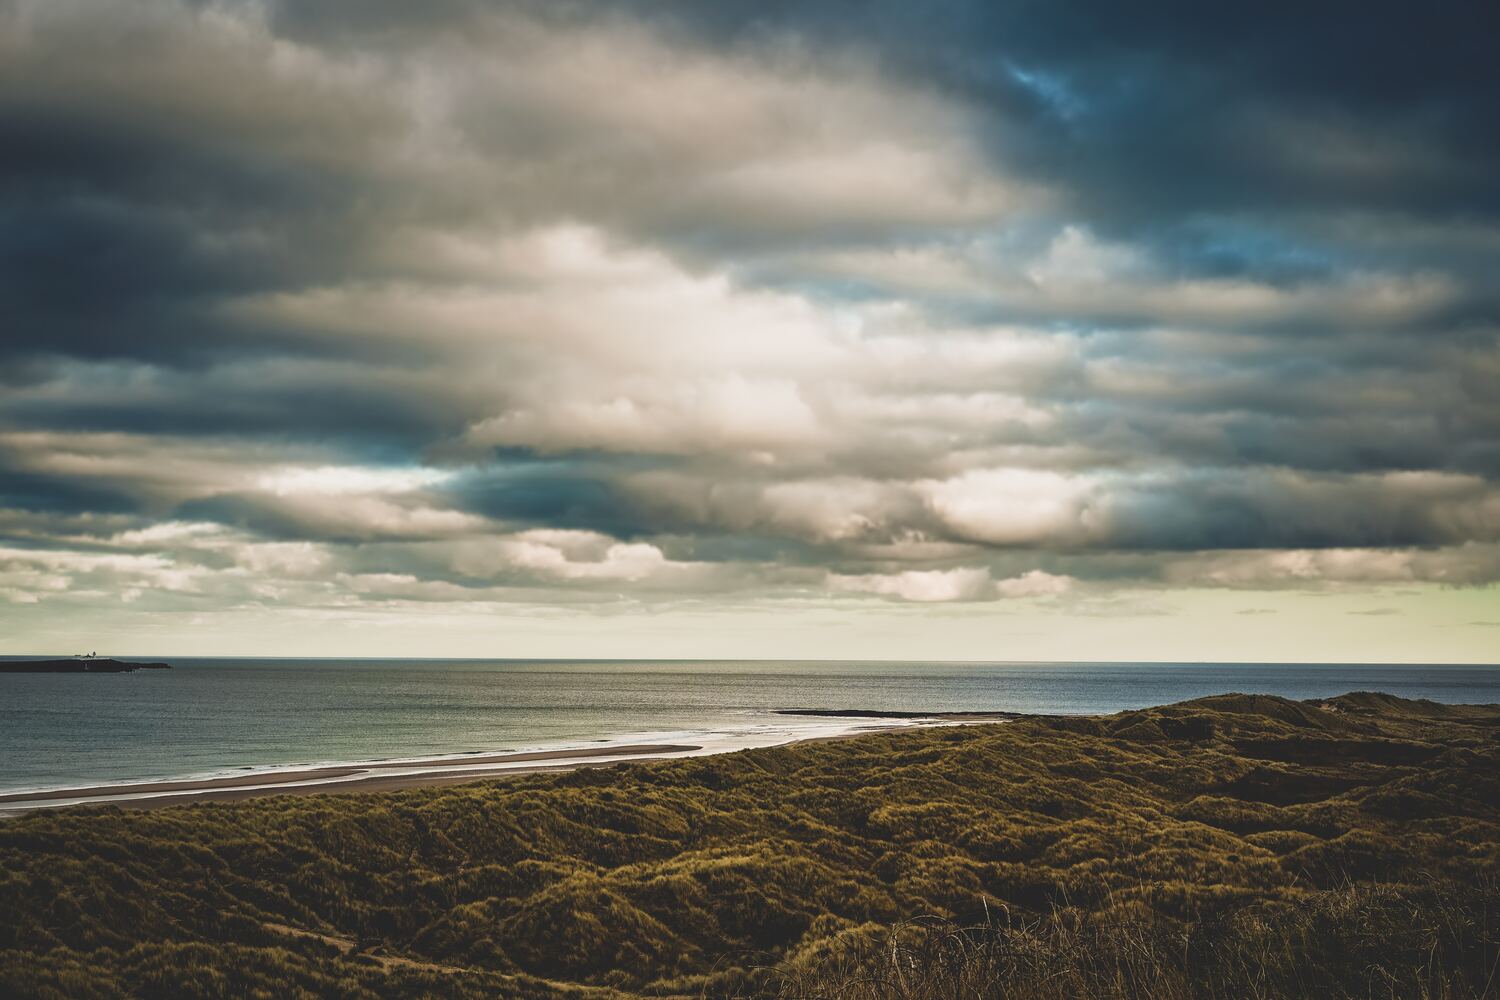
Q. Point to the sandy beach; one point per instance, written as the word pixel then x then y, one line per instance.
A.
pixel 322 777
pixel 393 775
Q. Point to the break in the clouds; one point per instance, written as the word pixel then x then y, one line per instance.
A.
pixel 347 309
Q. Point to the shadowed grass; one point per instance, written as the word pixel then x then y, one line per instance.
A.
pixel 1430 941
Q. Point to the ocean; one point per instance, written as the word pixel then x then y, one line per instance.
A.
pixel 212 717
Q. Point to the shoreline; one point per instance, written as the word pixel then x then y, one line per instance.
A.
pixel 394 775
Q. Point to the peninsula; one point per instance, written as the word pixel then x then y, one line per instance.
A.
pixel 77 665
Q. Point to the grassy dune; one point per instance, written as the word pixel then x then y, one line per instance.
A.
pixel 1234 846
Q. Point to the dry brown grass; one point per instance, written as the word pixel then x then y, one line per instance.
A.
pixel 1437 942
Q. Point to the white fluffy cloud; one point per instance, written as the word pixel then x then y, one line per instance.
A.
pixel 959 584
pixel 1017 506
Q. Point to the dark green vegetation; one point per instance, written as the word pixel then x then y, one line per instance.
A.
pixel 76 665
pixel 1231 847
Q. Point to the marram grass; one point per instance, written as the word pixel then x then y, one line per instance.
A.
pixel 1234 846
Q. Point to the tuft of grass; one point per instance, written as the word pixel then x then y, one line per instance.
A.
pixel 1436 940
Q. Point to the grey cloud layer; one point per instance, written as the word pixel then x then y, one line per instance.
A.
pixel 346 303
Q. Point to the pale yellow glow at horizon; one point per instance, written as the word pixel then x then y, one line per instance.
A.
pixel 1419 624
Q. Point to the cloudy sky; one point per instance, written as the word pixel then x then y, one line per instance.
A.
pixel 962 330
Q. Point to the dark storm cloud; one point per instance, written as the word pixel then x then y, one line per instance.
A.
pixel 927 302
pixel 552 496
pixel 380 413
pixel 1168 108
pixel 27 491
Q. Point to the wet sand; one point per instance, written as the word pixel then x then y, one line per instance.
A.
pixel 147 787
pixel 372 783
pixel 322 779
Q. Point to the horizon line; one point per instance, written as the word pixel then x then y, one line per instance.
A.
pixel 778 659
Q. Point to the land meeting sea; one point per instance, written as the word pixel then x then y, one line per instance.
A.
pixel 231 717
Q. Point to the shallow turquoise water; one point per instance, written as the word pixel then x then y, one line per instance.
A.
pixel 211 716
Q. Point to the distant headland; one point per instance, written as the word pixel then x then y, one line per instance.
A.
pixel 862 713
pixel 77 665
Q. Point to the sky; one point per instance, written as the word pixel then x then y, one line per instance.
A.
pixel 956 330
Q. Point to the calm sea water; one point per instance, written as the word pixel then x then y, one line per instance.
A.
pixel 213 716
